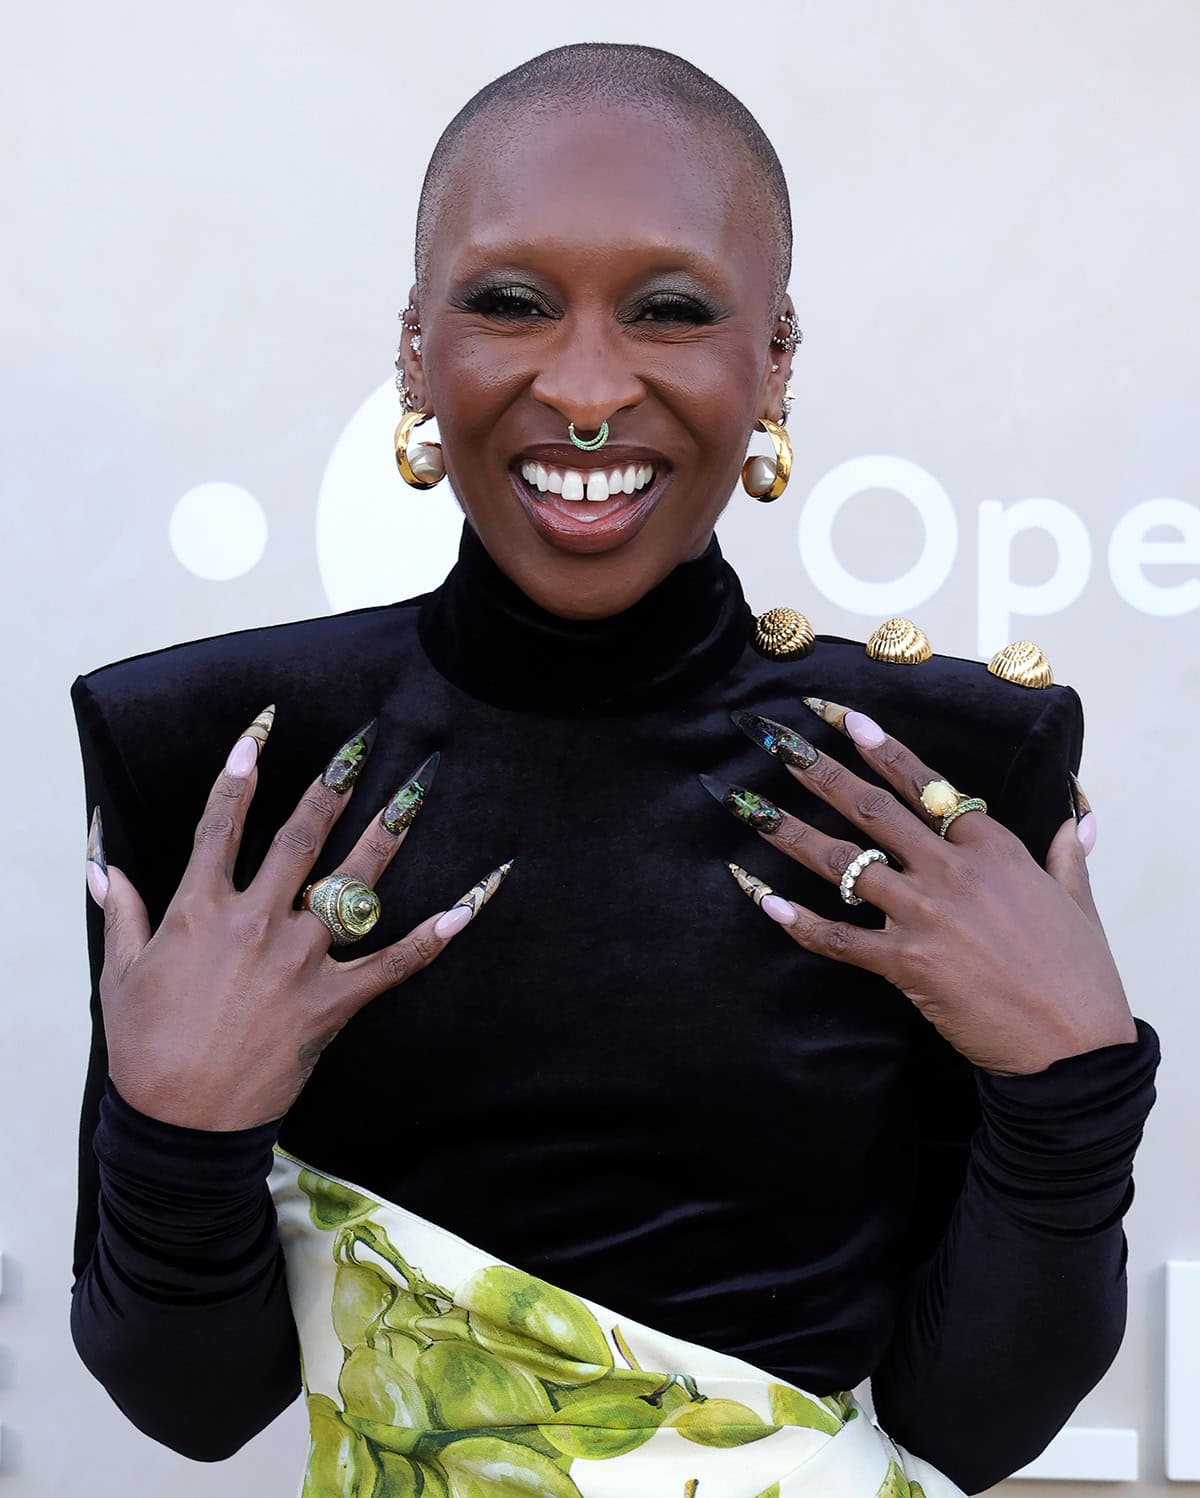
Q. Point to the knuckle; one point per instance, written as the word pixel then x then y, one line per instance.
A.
pixel 250 927
pixel 874 805
pixel 230 788
pixel 215 827
pixel 294 837
pixel 827 773
pixel 968 876
pixel 839 938
pixel 839 857
pixel 426 949
pixel 892 755
pixel 397 966
pixel 379 849
pixel 320 804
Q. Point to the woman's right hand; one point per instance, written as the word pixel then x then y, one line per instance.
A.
pixel 217 1019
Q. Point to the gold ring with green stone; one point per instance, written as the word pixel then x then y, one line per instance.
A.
pixel 345 905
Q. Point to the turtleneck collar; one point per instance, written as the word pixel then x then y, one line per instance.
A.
pixel 484 635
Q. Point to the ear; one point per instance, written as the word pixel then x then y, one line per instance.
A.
pixel 778 365
pixel 408 359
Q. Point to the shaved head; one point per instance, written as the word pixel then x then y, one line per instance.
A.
pixel 587 74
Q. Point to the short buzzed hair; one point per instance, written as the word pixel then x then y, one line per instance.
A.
pixel 615 73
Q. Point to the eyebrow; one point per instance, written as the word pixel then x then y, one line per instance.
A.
pixel 477 259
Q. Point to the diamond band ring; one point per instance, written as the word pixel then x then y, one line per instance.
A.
pixel 854 869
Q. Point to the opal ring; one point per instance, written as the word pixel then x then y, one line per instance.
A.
pixel 345 905
pixel 941 800
pixel 854 869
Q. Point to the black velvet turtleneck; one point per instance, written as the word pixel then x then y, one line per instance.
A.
pixel 622 1077
pixel 490 639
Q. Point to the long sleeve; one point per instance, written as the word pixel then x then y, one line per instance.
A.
pixel 1016 1305
pixel 1021 1309
pixel 180 1304
pixel 181 1310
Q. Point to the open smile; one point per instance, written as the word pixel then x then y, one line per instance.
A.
pixel 593 505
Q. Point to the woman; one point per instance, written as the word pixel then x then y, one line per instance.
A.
pixel 628 1187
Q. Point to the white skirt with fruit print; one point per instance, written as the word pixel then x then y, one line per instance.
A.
pixel 433 1371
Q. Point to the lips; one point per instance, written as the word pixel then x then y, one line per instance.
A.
pixel 593 506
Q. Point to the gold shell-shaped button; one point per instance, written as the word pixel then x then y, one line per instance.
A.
pixel 783 634
pixel 1023 663
pixel 899 641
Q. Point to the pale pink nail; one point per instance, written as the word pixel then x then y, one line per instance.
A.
pixel 1085 831
pixel 97 882
pixel 242 757
pixel 779 909
pixel 452 922
pixel 864 730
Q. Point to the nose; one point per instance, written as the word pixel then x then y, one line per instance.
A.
pixel 587 377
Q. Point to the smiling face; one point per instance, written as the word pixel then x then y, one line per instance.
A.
pixel 584 267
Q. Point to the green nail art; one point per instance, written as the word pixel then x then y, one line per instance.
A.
pixel 748 806
pixel 346 765
pixel 401 811
pixel 95 843
pixel 784 743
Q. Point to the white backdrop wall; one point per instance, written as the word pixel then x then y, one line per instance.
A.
pixel 208 219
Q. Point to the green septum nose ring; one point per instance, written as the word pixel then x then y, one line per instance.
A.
pixel 592 443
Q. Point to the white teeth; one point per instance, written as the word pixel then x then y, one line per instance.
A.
pixel 591 484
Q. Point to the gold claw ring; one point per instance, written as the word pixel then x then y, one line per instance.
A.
pixel 345 905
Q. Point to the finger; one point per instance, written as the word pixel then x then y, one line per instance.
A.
pixel 874 810
pixel 1066 862
pixel 126 926
pixel 295 846
pixel 381 840
pixel 837 940
pixel 828 857
pixel 365 978
pixel 218 833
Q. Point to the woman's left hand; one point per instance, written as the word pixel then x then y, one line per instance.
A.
pixel 1008 960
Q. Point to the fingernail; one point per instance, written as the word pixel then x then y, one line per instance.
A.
pixel 784 743
pixel 346 765
pixel 96 868
pixel 244 754
pixel 748 806
pixel 463 911
pixel 1081 800
pixel 1085 831
pixel 864 730
pixel 779 909
pixel 829 712
pixel 401 811
pixel 750 884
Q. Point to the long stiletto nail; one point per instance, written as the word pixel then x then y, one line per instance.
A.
pixel 346 765
pixel 472 902
pixel 96 867
pixel 401 811
pixel 244 754
pixel 747 806
pixel 1081 803
pixel 784 743
pixel 832 713
pixel 749 884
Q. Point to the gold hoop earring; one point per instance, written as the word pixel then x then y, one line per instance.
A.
pixel 765 479
pixel 424 466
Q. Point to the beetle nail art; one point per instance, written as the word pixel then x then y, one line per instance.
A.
pixel 401 811
pixel 748 806
pixel 346 765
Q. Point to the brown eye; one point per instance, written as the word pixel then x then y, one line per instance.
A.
pixel 675 309
pixel 505 301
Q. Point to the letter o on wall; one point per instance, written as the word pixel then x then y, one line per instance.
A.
pixel 928 498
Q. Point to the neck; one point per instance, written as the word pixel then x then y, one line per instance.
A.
pixel 487 637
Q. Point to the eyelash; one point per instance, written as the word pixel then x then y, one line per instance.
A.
pixel 512 303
